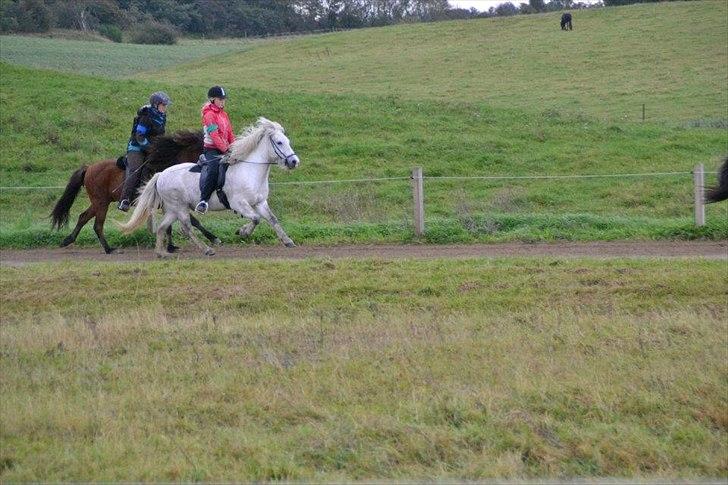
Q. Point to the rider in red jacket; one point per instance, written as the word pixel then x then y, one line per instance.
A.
pixel 218 137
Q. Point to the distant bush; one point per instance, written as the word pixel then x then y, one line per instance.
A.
pixel 153 33
pixel 111 32
pixel 25 16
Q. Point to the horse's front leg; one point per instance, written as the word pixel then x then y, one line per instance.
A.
pixel 245 210
pixel 264 211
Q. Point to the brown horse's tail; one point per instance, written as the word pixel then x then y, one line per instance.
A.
pixel 59 216
pixel 720 191
pixel 148 202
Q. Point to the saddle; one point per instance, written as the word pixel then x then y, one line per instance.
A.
pixel 221 173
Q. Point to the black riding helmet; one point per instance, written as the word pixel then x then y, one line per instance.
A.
pixel 216 92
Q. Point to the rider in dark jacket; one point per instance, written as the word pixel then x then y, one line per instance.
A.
pixel 149 123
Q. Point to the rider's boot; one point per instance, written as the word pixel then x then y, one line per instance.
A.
pixel 201 207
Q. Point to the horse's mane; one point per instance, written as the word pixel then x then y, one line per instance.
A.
pixel 246 142
pixel 166 147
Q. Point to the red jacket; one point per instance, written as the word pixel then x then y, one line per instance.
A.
pixel 217 128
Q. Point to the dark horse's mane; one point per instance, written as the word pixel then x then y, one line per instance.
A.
pixel 166 149
pixel 720 191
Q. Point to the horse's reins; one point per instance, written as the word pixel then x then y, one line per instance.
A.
pixel 135 171
pixel 279 153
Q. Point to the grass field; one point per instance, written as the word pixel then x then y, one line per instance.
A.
pixel 107 59
pixel 486 97
pixel 673 57
pixel 341 370
pixel 345 137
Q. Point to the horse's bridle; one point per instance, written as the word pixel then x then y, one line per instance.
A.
pixel 286 158
pixel 279 153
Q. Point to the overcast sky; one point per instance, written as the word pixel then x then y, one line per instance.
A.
pixel 483 5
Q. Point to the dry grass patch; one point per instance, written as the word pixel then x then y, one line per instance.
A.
pixel 357 385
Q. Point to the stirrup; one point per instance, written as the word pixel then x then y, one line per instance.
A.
pixel 201 207
pixel 124 205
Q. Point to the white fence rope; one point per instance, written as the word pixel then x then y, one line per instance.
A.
pixel 475 177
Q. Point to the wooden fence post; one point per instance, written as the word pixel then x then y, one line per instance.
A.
pixel 418 195
pixel 699 196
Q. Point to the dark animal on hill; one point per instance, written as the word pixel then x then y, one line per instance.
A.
pixel 720 191
pixel 566 21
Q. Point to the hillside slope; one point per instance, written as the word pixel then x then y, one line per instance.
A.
pixel 76 120
pixel 673 57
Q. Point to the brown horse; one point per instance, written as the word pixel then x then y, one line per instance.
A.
pixel 103 182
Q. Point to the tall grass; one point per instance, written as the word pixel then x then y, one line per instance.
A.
pixel 344 370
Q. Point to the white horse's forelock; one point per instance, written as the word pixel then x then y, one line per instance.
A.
pixel 246 142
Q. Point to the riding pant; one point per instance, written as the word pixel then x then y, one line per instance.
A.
pixel 135 173
pixel 208 177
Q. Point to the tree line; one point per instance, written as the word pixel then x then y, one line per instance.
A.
pixel 161 21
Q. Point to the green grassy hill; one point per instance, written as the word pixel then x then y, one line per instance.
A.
pixel 385 128
pixel 671 56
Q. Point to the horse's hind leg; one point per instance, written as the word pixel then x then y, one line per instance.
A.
pixel 187 230
pixel 167 220
pixel 83 218
pixel 170 245
pixel 101 210
pixel 210 236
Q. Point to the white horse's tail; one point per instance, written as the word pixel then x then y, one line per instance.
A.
pixel 148 202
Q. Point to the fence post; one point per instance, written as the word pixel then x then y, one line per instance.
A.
pixel 698 187
pixel 418 195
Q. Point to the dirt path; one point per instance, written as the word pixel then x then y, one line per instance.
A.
pixel 634 249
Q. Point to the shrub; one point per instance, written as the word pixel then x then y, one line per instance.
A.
pixel 153 33
pixel 25 16
pixel 111 32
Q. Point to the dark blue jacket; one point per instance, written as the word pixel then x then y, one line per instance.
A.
pixel 148 124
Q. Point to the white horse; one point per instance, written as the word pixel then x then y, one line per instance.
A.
pixel 177 190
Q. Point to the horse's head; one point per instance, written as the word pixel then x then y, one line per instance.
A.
pixel 267 139
pixel 280 149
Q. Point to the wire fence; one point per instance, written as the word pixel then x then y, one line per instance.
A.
pixel 418 178
pixel 433 177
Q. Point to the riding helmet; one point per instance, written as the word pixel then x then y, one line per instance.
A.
pixel 160 97
pixel 216 92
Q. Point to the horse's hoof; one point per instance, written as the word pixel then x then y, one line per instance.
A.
pixel 290 244
pixel 110 250
pixel 209 252
pixel 172 248
pixel 217 242
pixel 66 242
